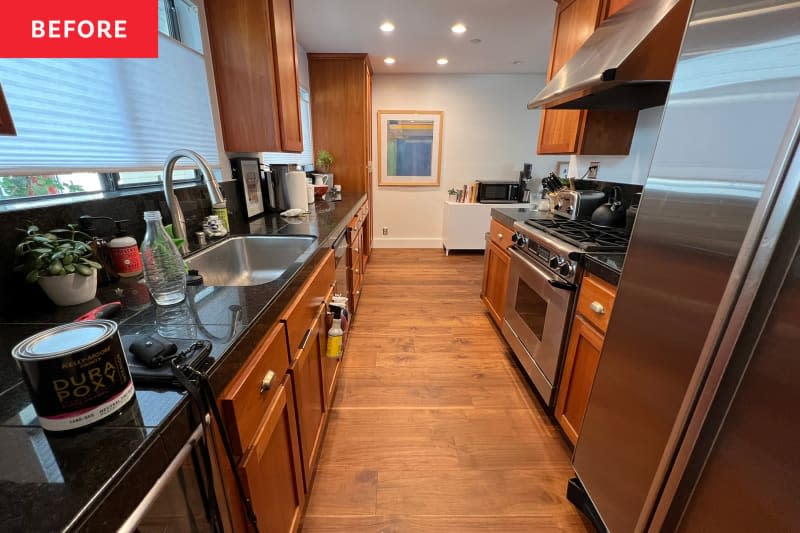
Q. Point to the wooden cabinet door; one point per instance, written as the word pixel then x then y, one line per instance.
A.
pixel 6 124
pixel 283 45
pixel 580 366
pixel 310 395
pixel 252 44
pixel 615 5
pixel 560 129
pixel 495 280
pixel 271 471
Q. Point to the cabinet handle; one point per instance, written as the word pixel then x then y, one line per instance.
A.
pixel 266 383
pixel 598 308
pixel 305 340
pixel 500 236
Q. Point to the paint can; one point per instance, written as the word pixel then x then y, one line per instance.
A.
pixel 76 373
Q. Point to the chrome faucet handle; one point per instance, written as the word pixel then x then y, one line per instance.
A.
pixel 175 211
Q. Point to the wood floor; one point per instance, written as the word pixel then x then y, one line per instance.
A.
pixel 433 427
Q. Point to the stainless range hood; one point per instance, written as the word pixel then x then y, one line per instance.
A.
pixel 626 63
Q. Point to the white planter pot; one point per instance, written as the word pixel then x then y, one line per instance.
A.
pixel 72 289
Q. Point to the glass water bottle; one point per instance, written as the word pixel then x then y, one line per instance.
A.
pixel 164 271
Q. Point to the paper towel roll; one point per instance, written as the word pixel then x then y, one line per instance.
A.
pixel 297 190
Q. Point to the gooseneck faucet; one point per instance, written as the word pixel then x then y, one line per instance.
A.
pixel 175 211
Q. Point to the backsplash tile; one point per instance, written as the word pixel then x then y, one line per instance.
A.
pixel 194 202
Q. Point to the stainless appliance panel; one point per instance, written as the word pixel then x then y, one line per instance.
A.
pixel 732 95
pixel 536 313
pixel 749 479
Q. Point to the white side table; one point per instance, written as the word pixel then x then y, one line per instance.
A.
pixel 465 225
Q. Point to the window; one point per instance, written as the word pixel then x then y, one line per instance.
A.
pixel 180 20
pixel 82 121
pixel 14 187
pixel 132 179
pixel 306 157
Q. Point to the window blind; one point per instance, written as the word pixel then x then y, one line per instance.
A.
pixel 306 157
pixel 106 114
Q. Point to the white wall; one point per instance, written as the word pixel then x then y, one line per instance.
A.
pixel 488 134
pixel 632 168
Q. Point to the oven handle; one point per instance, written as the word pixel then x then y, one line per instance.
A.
pixel 557 283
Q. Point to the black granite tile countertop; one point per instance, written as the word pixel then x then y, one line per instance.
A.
pixel 508 215
pixel 91 479
pixel 605 266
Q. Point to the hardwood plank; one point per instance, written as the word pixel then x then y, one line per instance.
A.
pixel 434 427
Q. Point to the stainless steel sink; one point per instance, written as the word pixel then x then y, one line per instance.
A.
pixel 251 259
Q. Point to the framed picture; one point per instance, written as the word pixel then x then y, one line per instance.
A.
pixel 562 169
pixel 247 173
pixel 410 148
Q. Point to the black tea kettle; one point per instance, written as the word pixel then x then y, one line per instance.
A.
pixel 610 215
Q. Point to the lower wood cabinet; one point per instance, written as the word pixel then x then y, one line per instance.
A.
pixel 495 270
pixel 6 123
pixel 580 366
pixel 595 303
pixel 271 471
pixel 310 394
pixel 275 411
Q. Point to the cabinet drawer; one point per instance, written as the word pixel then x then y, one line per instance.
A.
pixel 596 301
pixel 245 400
pixel 304 308
pixel 500 234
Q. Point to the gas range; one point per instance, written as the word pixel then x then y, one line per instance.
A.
pixel 559 244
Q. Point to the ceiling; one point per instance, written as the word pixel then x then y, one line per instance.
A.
pixel 510 30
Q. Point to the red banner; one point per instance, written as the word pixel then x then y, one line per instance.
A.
pixel 79 28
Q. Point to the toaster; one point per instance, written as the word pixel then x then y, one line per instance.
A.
pixel 577 204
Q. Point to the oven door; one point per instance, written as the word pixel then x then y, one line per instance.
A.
pixel 538 305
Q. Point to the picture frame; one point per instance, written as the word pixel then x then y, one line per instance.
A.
pixel 247 172
pixel 410 148
pixel 562 169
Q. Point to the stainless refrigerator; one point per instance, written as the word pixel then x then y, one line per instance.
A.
pixel 693 423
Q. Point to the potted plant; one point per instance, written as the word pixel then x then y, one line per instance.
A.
pixel 325 163
pixel 60 263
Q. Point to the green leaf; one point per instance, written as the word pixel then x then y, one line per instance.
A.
pixel 83 270
pixel 55 268
pixel 67 259
pixel 90 263
pixel 32 277
pixel 19 251
pixel 69 269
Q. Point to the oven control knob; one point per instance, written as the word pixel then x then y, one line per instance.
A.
pixel 556 262
pixel 566 269
pixel 515 237
pixel 522 240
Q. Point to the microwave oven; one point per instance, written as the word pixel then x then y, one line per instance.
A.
pixel 499 192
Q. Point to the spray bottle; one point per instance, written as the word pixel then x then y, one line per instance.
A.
pixel 335 334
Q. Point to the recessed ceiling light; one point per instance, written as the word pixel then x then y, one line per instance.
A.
pixel 442 61
pixel 387 26
pixel 389 60
pixel 458 28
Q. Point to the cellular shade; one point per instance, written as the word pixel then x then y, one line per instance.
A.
pixel 106 114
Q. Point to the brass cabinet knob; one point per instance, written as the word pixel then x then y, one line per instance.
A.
pixel 598 308
pixel 266 383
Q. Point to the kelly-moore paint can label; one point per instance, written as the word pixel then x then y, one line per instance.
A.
pixel 76 373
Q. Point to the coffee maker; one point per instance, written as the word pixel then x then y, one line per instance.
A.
pixel 525 176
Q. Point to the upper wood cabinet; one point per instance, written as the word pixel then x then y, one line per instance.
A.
pixel 615 5
pixel 6 123
pixel 341 116
pixel 581 131
pixel 255 71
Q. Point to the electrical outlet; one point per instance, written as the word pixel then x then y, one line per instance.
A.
pixel 594 166
pixel 385 231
